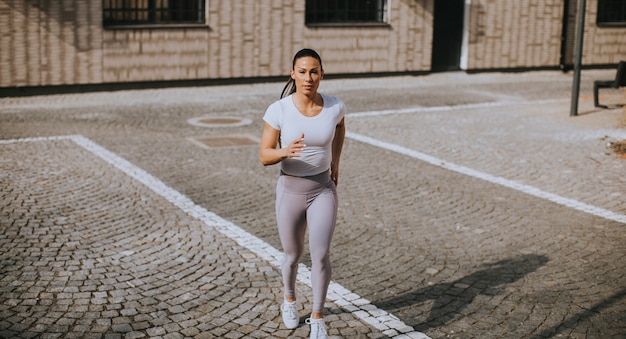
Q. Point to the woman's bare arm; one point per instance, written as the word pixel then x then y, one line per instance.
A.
pixel 271 155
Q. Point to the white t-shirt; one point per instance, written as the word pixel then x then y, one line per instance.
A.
pixel 319 132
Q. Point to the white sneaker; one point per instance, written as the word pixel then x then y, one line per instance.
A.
pixel 289 311
pixel 318 328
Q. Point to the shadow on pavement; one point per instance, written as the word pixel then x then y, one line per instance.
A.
pixel 584 315
pixel 451 298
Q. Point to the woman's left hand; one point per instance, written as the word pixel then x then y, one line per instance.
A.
pixel 334 174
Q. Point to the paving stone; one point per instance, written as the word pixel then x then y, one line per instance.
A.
pixel 88 251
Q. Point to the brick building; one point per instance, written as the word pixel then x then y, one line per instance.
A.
pixel 72 42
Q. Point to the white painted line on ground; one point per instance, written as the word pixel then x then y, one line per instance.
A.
pixel 422 109
pixel 580 206
pixel 362 308
pixel 35 139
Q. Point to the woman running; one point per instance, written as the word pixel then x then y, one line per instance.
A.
pixel 304 132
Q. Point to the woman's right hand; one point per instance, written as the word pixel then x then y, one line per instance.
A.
pixel 269 152
pixel 295 147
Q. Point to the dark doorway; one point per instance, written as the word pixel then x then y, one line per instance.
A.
pixel 448 35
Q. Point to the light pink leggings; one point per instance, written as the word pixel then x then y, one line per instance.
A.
pixel 302 201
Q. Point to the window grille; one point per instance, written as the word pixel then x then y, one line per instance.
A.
pixel 346 12
pixel 611 13
pixel 153 12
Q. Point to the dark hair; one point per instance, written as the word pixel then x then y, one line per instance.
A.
pixel 290 86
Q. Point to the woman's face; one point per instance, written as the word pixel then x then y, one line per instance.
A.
pixel 307 72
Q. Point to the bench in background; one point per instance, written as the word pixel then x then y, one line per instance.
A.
pixel 620 81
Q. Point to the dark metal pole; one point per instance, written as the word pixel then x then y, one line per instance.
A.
pixel 579 56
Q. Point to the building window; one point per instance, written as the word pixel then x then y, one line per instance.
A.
pixel 346 12
pixel 611 13
pixel 153 12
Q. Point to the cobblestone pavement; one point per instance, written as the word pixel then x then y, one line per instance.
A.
pixel 471 206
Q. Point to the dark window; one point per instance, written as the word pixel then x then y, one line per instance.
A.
pixel 153 12
pixel 346 11
pixel 611 13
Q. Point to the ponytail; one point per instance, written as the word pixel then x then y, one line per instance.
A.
pixel 289 89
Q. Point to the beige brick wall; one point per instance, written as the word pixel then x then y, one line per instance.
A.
pixel 514 33
pixel 602 45
pixel 50 42
pixel 63 42
pixel 153 55
pixel 404 46
pixel 252 38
